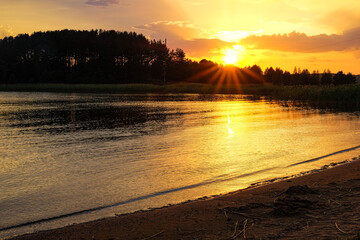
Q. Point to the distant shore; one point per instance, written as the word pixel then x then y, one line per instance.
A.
pixel 338 98
pixel 349 93
pixel 321 205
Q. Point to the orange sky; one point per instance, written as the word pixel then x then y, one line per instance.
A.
pixel 286 33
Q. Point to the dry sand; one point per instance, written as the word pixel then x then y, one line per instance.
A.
pixel 320 205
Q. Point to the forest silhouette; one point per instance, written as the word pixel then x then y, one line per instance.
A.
pixel 99 56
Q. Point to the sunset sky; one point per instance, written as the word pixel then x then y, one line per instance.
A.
pixel 286 33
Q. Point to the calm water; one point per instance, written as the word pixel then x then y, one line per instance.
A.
pixel 68 158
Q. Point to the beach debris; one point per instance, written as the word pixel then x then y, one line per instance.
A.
pixel 238 232
pixel 155 235
pixel 331 200
pixel 235 230
pixel 238 213
pixel 226 216
pixel 247 211
pixel 340 230
pixel 245 223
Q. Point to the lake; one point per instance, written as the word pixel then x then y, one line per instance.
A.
pixel 70 158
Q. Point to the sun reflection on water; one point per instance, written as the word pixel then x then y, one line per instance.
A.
pixel 230 131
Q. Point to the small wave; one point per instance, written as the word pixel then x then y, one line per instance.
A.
pixel 325 156
pixel 217 179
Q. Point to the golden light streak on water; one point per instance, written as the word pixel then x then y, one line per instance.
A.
pixel 230 131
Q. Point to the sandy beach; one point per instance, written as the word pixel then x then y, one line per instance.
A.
pixel 323 204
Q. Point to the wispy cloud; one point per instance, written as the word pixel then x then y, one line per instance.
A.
pixel 341 19
pixel 101 3
pixel 300 42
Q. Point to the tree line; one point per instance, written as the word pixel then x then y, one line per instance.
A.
pixel 99 56
pixel 70 56
pixel 304 77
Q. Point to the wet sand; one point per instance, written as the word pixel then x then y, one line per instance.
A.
pixel 320 205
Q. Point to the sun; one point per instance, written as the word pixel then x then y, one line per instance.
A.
pixel 233 55
pixel 230 57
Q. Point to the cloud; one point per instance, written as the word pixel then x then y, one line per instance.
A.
pixel 202 47
pixel 300 42
pixel 357 54
pixel 5 31
pixel 102 3
pixel 195 41
pixel 341 19
pixel 173 30
pixel 234 36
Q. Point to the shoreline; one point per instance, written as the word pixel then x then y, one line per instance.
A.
pixel 292 201
pixel 344 98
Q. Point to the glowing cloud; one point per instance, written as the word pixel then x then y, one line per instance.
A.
pixel 234 36
pixel 195 41
pixel 300 42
